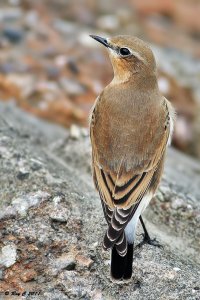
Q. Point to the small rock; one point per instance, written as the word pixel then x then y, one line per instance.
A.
pixel 94 245
pixel 22 204
pixel 8 255
pixel 160 196
pixel 177 203
pixel 65 27
pixel 125 16
pixel 75 132
pixel 35 164
pixel 84 132
pixel 71 87
pixel 65 261
pixel 51 180
pixel 53 72
pixel 28 275
pixel 189 206
pixel 165 190
pixel 22 174
pixel 176 269
pixel 170 275
pixel 1 274
pixel 107 262
pixel 84 261
pixel 13 35
pixel 10 14
pixel 61 61
pixel 69 276
pixel 31 18
pixel 108 23
pixel 41 279
pixel 97 295
pixel 56 200
pixel 60 214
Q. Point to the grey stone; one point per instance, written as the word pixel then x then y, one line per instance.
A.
pixel 8 255
pixel 60 214
pixel 108 23
pixel 13 35
pixel 178 203
pixel 1 274
pixel 71 87
pixel 22 174
pixel 65 261
pixel 10 14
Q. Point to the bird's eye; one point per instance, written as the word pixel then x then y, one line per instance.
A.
pixel 124 51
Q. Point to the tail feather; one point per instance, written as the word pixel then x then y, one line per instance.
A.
pixel 121 245
pixel 121 266
pixel 129 263
pixel 118 264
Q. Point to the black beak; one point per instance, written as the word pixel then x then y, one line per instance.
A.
pixel 100 40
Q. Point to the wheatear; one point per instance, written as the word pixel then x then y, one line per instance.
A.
pixel 131 124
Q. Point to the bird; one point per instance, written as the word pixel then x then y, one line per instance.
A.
pixel 131 125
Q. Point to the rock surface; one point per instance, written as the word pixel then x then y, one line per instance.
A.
pixel 53 218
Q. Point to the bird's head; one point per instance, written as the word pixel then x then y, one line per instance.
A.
pixel 130 57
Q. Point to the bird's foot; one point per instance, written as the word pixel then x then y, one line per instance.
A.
pixel 148 240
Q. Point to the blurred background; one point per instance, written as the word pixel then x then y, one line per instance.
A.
pixel 50 67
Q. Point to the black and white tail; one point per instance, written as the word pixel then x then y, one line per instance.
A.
pixel 121 266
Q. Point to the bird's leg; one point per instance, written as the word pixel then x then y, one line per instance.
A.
pixel 146 237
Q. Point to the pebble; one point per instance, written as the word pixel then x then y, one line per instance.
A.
pixel 21 204
pixel 69 276
pixel 177 203
pixel 189 207
pixel 51 180
pixel 56 200
pixel 108 23
pixel 28 275
pixel 52 72
pixel 13 35
pixel 170 275
pixel 1 274
pixel 84 132
pixel 97 295
pixel 84 261
pixel 65 27
pixel 31 18
pixel 94 245
pixel 75 132
pixel 165 190
pixel 10 14
pixel 15 2
pixel 23 174
pixel 65 261
pixel 160 196
pixel 107 262
pixel 8 255
pixel 176 269
pixel 35 164
pixel 41 279
pixel 71 87
pixel 60 214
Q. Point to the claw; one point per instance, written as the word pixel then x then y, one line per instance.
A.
pixel 148 240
